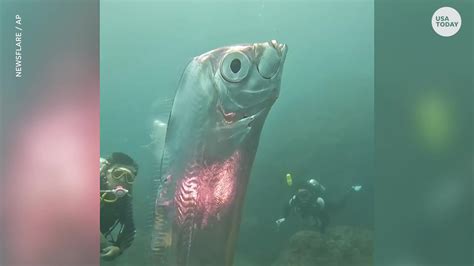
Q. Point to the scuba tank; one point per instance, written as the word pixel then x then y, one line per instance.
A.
pixel 289 179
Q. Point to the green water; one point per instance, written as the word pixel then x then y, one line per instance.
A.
pixel 321 126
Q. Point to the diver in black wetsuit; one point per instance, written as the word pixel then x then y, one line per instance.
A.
pixel 309 202
pixel 117 174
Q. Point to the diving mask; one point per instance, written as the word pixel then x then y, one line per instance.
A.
pixel 122 173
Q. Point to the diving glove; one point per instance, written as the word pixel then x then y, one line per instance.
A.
pixel 110 253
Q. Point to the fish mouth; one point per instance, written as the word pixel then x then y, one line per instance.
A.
pixel 249 119
pixel 246 116
pixel 240 119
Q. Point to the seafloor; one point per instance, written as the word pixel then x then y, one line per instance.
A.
pixel 338 246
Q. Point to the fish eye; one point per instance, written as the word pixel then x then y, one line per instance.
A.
pixel 269 63
pixel 235 67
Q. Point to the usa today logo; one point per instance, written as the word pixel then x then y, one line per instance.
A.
pixel 446 21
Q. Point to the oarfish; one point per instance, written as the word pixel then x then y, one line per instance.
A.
pixel 213 132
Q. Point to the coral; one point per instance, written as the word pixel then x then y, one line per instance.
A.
pixel 339 246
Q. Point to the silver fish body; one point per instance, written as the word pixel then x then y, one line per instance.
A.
pixel 212 136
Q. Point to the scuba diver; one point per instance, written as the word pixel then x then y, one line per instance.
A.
pixel 310 202
pixel 117 174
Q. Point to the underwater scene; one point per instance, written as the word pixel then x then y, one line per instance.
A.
pixel 237 133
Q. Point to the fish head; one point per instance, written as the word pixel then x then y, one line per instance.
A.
pixel 247 79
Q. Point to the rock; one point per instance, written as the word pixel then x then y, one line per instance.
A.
pixel 339 246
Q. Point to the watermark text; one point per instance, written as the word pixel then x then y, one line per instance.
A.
pixel 18 52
